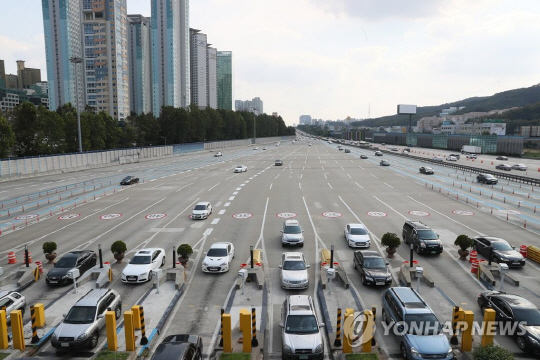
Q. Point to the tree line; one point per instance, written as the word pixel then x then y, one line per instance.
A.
pixel 28 130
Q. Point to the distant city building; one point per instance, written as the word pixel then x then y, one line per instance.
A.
pixel 305 120
pixel 488 127
pixel 27 77
pixel 211 86
pixel 44 86
pixel 255 105
pixel 427 124
pixel 2 74
pixel 9 98
pixel 140 64
pixel 224 80
pixel 185 83
pixel 275 114
pixel 199 68
pixel 12 81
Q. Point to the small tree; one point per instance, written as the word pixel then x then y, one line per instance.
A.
pixel 464 242
pixel 118 247
pixel 184 250
pixel 49 247
pixel 390 240
pixel 492 352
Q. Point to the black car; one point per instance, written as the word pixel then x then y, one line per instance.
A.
pixel 426 170
pixel 424 239
pixel 502 158
pixel 384 163
pixel 80 259
pixel 499 250
pixel 503 167
pixel 347 150
pixel 487 179
pixel 515 309
pixel 129 180
pixel 278 163
pixel 372 267
pixel 179 347
pixel 363 156
pixel 378 153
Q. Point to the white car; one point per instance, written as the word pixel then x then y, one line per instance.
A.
pixel 437 158
pixel 142 264
pixel 357 236
pixel 218 154
pixel 240 168
pixel 294 274
pixel 265 148
pixel 277 144
pixel 451 158
pixel 256 148
pixel 521 167
pixel 218 258
pixel 202 210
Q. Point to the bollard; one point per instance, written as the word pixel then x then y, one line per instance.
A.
pixel 26 259
pixel 488 327
pixel 17 330
pixel 337 342
pixel 348 327
pixel 456 312
pixel 144 339
pixel 100 257
pixel 251 255
pixel 374 311
pixel 39 310
pixel 129 331
pixel 466 335
pixel 4 340
pixel 174 261
pixel 367 331
pixel 221 328
pixel 245 329
pixel 36 274
pixel 110 322
pixel 254 341
pixel 35 337
pixel 227 333
pixel 523 250
pixel 39 265
pixel 136 316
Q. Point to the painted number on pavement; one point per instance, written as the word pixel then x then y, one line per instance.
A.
pixel 377 213
pixel 418 213
pixel 155 216
pixel 331 214
pixel 110 216
pixel 462 212
pixel 26 217
pixel 68 217
pixel 242 216
pixel 510 212
pixel 286 215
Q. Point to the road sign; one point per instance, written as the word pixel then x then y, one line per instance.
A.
pixel 242 216
pixel 154 216
pixel 377 213
pixel 68 217
pixel 331 214
pixel 418 213
pixel 462 212
pixel 286 215
pixel 26 217
pixel 110 216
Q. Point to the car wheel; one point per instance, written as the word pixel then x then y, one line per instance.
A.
pixel 482 309
pixel 118 311
pixel 404 352
pixel 354 265
pixel 384 318
pixel 94 340
pixel 405 240
pixel 418 250
pixel 494 259
pixel 521 343
pixel 364 282
pixel 163 261
pixel 150 276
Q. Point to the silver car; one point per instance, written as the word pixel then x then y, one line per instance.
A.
pixel 294 274
pixel 521 167
pixel 292 233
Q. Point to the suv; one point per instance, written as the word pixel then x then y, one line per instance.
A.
pixel 372 267
pixel 423 238
pixel 301 336
pixel 411 319
pixel 202 210
pixel 292 233
pixel 80 327
pixel 12 300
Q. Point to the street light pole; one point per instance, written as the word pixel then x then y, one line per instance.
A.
pixel 77 60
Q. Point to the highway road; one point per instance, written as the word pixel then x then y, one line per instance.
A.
pixel 320 186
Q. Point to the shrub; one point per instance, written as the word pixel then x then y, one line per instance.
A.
pixel 49 247
pixel 390 240
pixel 492 352
pixel 464 242
pixel 118 247
pixel 184 250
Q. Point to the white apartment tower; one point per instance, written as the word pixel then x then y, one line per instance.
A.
pixel 140 71
pixel 199 68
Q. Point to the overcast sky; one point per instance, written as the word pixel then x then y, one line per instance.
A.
pixel 337 58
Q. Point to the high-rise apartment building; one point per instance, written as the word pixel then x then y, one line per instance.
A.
pixel 2 74
pixel 224 80
pixel 170 54
pixel 211 87
pixel 254 106
pixel 305 119
pixel 140 70
pixel 199 68
pixel 106 56
pixel 27 77
pixel 63 40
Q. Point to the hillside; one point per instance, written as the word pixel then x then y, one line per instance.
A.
pixel 503 100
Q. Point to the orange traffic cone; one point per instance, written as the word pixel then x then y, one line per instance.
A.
pixel 12 259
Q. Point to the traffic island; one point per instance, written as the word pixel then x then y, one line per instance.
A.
pixel 408 274
pixel 491 272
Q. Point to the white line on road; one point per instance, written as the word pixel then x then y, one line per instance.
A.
pixel 349 176
pixel 360 186
pixel 277 176
pixel 181 187
pixel 388 185
pixel 215 221
pixel 221 212
pixel 213 186
pixel 271 186
pixel 374 176
pixel 299 185
pixel 231 198
pixel 330 186
pixel 208 231
pixel 227 204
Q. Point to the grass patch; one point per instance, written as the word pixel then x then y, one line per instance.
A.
pixel 4 355
pixel 235 356
pixel 531 153
pixel 367 356
pixel 112 355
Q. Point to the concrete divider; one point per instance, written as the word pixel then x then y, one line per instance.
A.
pixel 25 275
pixel 176 275
pixel 255 275
pixel 101 275
pixel 484 272
pixel 407 274
pixel 490 272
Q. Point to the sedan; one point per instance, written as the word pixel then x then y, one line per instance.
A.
pixel 78 259
pixel 347 151
pixel 372 267
pixel 521 167
pixel 143 263
pixel 514 309
pixel 487 179
pixel 363 156
pixel 378 153
pixel 505 158
pixel 294 274
pixel 505 167
pixel 240 168
pixel 451 158
pixel 218 154
pixel 129 180
pixel 278 162
pixel 256 148
pixel 426 170
pixel 179 347
pixel 218 258
pixel 265 148
pixel 357 235
pixel 384 163
pixel 438 158
pixel 499 250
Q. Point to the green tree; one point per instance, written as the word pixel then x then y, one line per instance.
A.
pixel 7 137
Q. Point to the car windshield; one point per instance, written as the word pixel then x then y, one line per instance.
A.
pixel 487 176
pixel 200 207
pixel 66 262
pixel 374 263
pixel 81 315
pixel 294 265
pixel 301 324
pixel 141 260
pixel 127 178
pixel 428 169
pixel 422 324
pixel 358 231
pixel 427 234
pixel 292 229
pixel 217 252
pixel 501 245
pixel 530 316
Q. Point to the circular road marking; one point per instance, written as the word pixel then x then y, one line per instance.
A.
pixel 154 216
pixel 110 216
pixel 331 214
pixel 462 212
pixel 26 217
pixel 377 213
pixel 286 215
pixel 68 217
pixel 418 213
pixel 242 216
